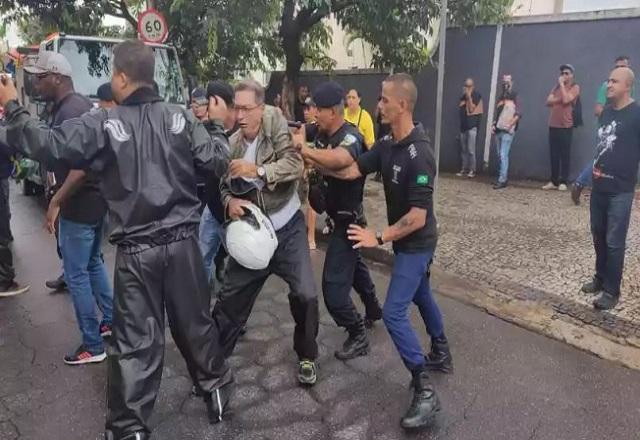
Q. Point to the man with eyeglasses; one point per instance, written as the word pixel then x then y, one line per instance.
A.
pixel 199 103
pixel 471 110
pixel 77 212
pixel 265 170
pixel 561 101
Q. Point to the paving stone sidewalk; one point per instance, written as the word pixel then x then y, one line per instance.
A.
pixel 525 242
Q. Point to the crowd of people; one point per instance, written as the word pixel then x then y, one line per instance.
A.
pixel 141 160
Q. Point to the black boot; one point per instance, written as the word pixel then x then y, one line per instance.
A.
pixel 356 344
pixel 217 402
pixel 424 405
pixel 439 358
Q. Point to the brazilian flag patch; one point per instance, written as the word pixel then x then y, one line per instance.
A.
pixel 422 180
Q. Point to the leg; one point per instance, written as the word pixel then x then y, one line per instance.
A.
pixel 209 238
pixel 554 154
pixel 7 273
pixel 187 304
pixel 463 150
pixel 292 263
pixel 239 291
pixel 585 177
pixel 408 271
pixel 137 352
pixel 505 148
pixel 5 212
pixel 100 285
pixel 565 154
pixel 599 208
pixel 471 149
pixel 76 243
pixel 428 307
pixel 366 290
pixel 311 227
pixel 618 215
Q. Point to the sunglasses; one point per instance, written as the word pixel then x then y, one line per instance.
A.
pixel 566 73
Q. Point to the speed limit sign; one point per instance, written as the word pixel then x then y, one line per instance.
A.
pixel 152 26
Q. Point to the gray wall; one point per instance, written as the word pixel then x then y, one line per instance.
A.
pixel 532 53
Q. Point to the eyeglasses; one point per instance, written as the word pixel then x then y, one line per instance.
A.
pixel 239 109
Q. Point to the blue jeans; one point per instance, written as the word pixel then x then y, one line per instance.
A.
pixel 410 283
pixel 87 278
pixel 503 146
pixel 210 238
pixel 610 214
pixel 586 176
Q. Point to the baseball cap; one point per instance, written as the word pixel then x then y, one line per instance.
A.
pixel 328 94
pixel 105 93
pixel 50 62
pixel 222 89
pixel 199 95
pixel 569 67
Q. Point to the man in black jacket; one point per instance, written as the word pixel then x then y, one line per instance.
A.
pixel 144 152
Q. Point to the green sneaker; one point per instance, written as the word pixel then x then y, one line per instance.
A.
pixel 307 372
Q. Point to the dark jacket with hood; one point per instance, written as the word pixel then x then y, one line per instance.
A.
pixel 144 152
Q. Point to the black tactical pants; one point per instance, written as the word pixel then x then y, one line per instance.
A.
pixel 241 286
pixel 344 267
pixel 147 283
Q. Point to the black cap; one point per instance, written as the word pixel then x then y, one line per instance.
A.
pixel 222 89
pixel 199 94
pixel 568 67
pixel 104 92
pixel 328 94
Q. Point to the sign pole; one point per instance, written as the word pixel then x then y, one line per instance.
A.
pixel 442 47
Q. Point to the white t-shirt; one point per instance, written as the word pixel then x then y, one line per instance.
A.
pixel 284 214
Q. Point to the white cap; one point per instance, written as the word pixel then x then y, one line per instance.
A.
pixel 50 62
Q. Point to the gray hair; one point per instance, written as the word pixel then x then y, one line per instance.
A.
pixel 253 86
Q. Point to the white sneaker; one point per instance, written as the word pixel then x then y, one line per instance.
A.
pixel 471 175
pixel 13 290
pixel 549 186
pixel 562 187
pixel 461 173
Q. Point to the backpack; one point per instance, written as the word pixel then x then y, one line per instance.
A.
pixel 576 112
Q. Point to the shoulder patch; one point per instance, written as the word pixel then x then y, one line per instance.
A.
pixel 117 130
pixel 178 123
pixel 349 140
pixel 422 180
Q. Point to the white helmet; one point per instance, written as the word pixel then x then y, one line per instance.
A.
pixel 251 239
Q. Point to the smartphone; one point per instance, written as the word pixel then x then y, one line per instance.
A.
pixel 294 124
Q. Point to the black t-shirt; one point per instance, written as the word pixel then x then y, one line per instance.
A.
pixel 298 111
pixel 86 204
pixel 344 195
pixel 408 169
pixel 212 195
pixel 467 122
pixel 615 168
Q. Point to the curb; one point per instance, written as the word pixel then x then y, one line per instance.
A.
pixel 539 316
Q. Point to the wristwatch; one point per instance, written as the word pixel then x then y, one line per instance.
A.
pixel 379 238
pixel 262 173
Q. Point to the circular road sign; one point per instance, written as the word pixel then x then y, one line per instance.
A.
pixel 152 26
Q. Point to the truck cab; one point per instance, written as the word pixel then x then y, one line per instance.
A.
pixel 91 62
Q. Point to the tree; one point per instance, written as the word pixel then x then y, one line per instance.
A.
pixel 397 30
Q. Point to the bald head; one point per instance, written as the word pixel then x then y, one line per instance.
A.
pixel 619 85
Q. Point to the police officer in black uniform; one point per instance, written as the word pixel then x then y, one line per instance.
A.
pixel 339 144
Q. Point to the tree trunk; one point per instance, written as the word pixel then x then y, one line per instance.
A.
pixel 294 61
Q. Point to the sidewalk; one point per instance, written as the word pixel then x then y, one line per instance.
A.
pixel 528 248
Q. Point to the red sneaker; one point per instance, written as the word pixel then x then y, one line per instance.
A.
pixel 105 330
pixel 84 356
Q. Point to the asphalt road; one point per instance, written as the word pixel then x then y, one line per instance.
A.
pixel 509 383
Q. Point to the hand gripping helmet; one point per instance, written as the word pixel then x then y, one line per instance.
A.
pixel 251 239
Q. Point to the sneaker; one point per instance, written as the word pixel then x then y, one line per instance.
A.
pixel 500 185
pixel 138 435
pixel 312 246
pixel 105 330
pixel 471 175
pixel 562 187
pixel 307 372
pixel 461 173
pixel 549 186
pixel 594 286
pixel 606 301
pixel 217 403
pixel 84 356
pixel 576 190
pixel 57 284
pixel 13 289
pixel 326 230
